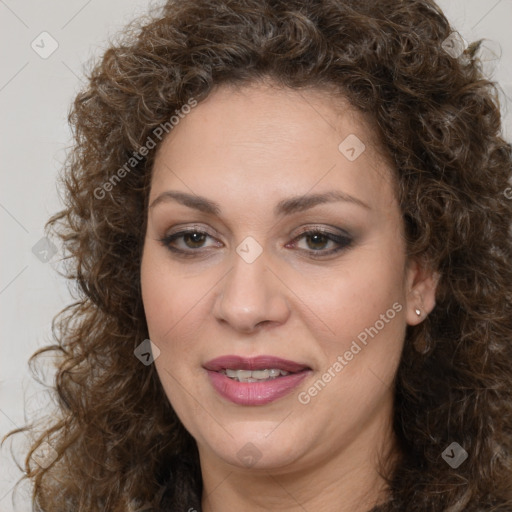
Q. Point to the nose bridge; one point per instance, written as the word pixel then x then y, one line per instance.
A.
pixel 250 294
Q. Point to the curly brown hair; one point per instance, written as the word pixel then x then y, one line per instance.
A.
pixel 118 442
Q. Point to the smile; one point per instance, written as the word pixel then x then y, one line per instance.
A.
pixel 254 381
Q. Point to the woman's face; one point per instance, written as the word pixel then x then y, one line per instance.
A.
pixel 294 261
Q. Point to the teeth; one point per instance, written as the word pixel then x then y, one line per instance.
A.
pixel 239 374
pixel 260 374
pixel 255 375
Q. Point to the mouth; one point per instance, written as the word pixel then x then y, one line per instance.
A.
pixel 255 381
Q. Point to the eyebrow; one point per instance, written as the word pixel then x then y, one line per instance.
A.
pixel 284 207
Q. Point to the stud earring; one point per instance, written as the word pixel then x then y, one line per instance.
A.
pixel 418 311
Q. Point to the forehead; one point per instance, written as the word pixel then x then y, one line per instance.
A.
pixel 271 142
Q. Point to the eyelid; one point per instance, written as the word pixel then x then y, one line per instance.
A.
pixel 195 228
pixel 329 230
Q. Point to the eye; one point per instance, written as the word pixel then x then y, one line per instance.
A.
pixel 318 240
pixel 186 241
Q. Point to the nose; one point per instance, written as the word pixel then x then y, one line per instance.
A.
pixel 251 296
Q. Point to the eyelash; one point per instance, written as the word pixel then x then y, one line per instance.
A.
pixel 344 242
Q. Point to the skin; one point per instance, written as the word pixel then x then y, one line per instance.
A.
pixel 247 149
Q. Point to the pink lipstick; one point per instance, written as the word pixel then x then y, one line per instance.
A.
pixel 254 381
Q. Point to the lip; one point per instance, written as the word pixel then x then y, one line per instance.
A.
pixel 254 393
pixel 254 363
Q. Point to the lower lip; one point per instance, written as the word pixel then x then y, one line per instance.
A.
pixel 254 393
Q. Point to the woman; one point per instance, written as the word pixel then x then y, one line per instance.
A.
pixel 289 227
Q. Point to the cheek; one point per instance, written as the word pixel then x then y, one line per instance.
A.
pixel 354 296
pixel 176 309
pixel 361 352
pixel 363 306
pixel 165 295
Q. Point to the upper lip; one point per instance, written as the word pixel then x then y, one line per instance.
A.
pixel 263 362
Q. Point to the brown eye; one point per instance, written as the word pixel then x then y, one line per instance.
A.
pixel 187 242
pixel 317 241
pixel 194 240
pixel 320 243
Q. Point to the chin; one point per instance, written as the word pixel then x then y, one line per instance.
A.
pixel 251 449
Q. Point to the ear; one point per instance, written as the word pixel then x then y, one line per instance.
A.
pixel 421 285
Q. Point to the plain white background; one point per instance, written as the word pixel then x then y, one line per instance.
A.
pixel 35 96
